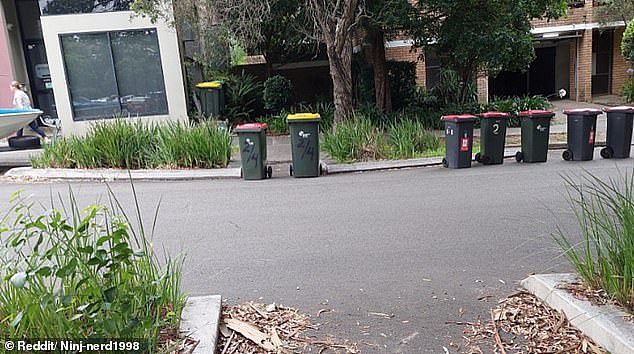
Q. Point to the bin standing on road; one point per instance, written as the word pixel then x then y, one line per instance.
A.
pixel 619 139
pixel 212 98
pixel 535 136
pixel 458 140
pixel 304 130
pixel 582 130
pixel 252 137
pixel 492 138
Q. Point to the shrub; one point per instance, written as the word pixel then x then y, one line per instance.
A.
pixel 604 256
pixel 278 91
pixel 627 44
pixel 409 139
pixel 137 145
pixel 402 79
pixel 452 92
pixel 355 140
pixel 243 98
pixel 517 104
pixel 71 273
pixel 277 123
pixel 628 90
pixel 326 110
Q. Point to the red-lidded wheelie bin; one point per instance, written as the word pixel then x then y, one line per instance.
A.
pixel 619 138
pixel 582 131
pixel 458 140
pixel 492 138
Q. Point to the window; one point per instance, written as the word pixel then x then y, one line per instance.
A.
pixel 433 66
pixel 65 7
pixel 114 73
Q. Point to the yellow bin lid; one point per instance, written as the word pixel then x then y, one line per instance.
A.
pixel 211 84
pixel 303 116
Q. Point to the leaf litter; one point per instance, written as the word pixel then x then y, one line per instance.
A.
pixel 254 328
pixel 521 323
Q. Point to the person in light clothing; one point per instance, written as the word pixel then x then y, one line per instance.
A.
pixel 22 101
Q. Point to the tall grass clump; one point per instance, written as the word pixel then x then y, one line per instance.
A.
pixel 356 139
pixel 138 145
pixel 67 272
pixel 409 139
pixel 604 255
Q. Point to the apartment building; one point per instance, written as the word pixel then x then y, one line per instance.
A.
pixel 575 53
pixel 87 60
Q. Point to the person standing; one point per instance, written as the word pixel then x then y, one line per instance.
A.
pixel 22 101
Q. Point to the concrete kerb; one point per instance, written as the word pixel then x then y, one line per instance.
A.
pixel 606 324
pixel 201 321
pixel 118 175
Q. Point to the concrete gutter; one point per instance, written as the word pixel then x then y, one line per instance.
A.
pixel 606 325
pixel 117 175
pixel 201 321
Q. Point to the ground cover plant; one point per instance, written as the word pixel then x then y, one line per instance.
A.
pixel 67 272
pixel 138 145
pixel 604 255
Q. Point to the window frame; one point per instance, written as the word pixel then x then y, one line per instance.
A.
pixel 114 71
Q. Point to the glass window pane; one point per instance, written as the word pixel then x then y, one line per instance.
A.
pixel 62 7
pixel 137 61
pixel 91 77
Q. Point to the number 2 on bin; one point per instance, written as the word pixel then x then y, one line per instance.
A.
pixel 250 150
pixel 307 148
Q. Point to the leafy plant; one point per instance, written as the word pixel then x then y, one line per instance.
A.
pixel 326 110
pixel 277 123
pixel 402 78
pixel 72 273
pixel 409 139
pixel 243 98
pixel 452 91
pixel 355 140
pixel 516 105
pixel 137 145
pixel 628 90
pixel 604 255
pixel 278 92
pixel 627 44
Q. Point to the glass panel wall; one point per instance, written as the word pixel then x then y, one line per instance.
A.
pixel 66 7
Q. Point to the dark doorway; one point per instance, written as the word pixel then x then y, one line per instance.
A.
pixel 601 62
pixel 35 53
pixel 538 80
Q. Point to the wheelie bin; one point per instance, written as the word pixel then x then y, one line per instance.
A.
pixel 458 140
pixel 582 130
pixel 252 138
pixel 535 135
pixel 492 138
pixel 304 130
pixel 212 98
pixel 619 139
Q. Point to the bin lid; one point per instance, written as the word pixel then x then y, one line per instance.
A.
pixel 537 114
pixel 459 118
pixel 210 84
pixel 304 116
pixel 586 112
pixel 494 115
pixel 251 127
pixel 619 109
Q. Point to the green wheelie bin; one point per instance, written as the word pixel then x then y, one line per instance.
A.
pixel 619 134
pixel 492 138
pixel 535 135
pixel 212 98
pixel 304 130
pixel 252 139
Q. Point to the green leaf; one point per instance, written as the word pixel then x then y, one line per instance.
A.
pixel 16 321
pixel 110 294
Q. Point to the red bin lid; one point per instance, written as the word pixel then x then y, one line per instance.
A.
pixel 620 109
pixel 494 115
pixel 252 126
pixel 583 111
pixel 537 113
pixel 459 117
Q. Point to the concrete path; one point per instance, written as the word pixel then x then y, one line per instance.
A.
pixel 425 246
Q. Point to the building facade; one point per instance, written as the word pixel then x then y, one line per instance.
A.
pixel 85 60
pixel 575 53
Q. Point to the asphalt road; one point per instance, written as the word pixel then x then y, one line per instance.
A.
pixel 422 244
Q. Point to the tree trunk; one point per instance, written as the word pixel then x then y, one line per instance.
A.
pixel 383 97
pixel 341 74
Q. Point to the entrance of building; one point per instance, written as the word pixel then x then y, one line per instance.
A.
pixel 538 80
pixel 28 13
pixel 602 62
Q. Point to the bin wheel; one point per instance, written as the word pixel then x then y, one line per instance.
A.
pixel 478 157
pixel 445 163
pixel 519 156
pixel 321 169
pixel 269 172
pixel 607 152
pixel 241 174
pixel 290 170
pixel 485 160
pixel 567 155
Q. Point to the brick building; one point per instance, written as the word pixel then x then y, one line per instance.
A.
pixel 575 53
